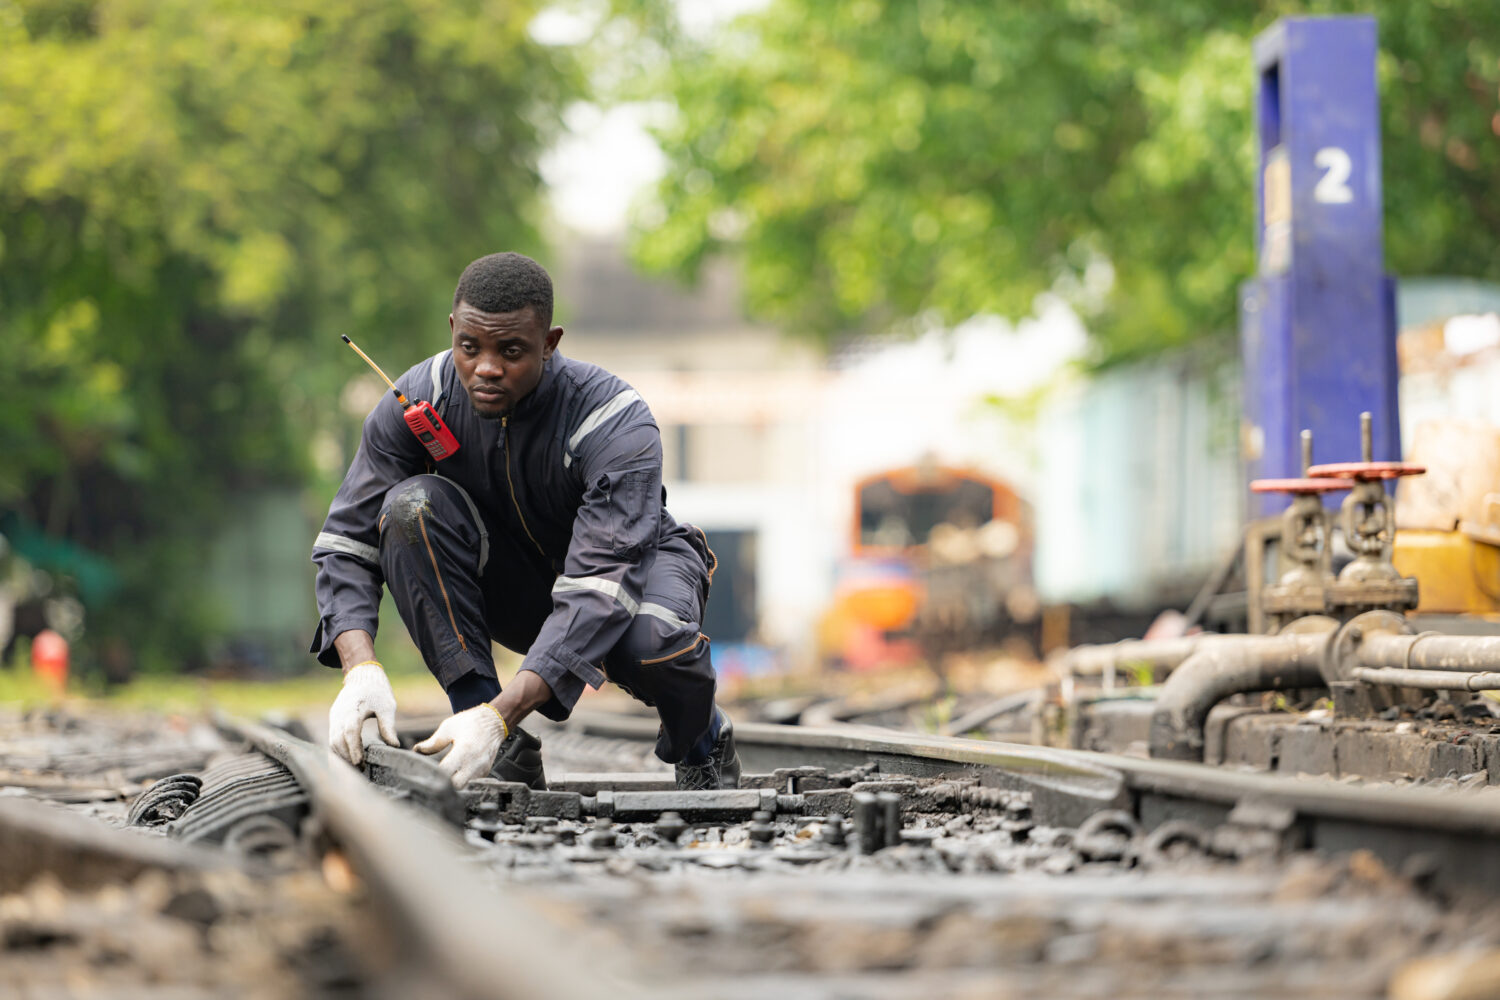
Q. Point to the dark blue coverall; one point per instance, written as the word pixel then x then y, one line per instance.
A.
pixel 546 531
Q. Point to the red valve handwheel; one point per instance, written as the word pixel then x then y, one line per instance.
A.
pixel 1295 486
pixel 1367 471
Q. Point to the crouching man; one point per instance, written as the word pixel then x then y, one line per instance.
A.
pixel 546 532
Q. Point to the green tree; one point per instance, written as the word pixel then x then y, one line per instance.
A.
pixel 196 197
pixel 878 164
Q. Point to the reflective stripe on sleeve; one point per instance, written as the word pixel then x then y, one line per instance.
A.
pixel 595 420
pixel 339 543
pixel 665 614
pixel 607 587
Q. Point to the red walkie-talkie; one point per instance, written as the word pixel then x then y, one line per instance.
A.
pixel 420 416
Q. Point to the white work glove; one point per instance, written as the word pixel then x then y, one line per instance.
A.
pixel 366 692
pixel 475 734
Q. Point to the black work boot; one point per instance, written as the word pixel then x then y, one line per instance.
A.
pixel 520 759
pixel 720 770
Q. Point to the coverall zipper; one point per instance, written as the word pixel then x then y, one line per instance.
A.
pixel 421 523
pixel 505 427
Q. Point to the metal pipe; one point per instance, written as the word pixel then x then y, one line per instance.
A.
pixel 1161 654
pixel 1429 680
pixel 1431 651
pixel 1233 665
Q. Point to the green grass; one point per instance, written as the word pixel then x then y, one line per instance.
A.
pixel 416 690
pixel 20 690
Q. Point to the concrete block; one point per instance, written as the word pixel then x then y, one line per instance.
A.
pixel 1113 725
pixel 1307 749
pixel 1251 741
pixel 1457 759
pixel 1489 755
pixel 1351 700
pixel 1215 726
pixel 1363 751
pixel 1408 755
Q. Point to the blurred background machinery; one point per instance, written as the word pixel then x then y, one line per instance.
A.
pixel 940 562
pixel 1369 635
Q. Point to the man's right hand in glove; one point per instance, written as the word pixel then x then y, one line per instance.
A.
pixel 366 692
pixel 472 738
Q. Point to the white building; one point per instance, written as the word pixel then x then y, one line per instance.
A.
pixel 764 437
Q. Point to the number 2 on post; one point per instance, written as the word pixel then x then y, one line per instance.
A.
pixel 1333 187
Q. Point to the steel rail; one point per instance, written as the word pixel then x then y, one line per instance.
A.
pixel 1454 833
pixel 476 941
pixel 83 852
pixel 1067 789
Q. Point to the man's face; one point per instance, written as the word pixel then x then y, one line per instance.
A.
pixel 499 356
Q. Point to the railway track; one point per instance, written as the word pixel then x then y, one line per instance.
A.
pixel 858 862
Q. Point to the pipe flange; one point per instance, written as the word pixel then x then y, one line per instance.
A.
pixel 1310 625
pixel 1324 625
pixel 1341 656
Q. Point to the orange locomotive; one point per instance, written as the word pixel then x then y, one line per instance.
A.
pixel 939 562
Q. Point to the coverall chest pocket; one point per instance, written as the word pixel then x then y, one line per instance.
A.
pixel 632 512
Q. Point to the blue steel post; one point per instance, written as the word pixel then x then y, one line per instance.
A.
pixel 1318 323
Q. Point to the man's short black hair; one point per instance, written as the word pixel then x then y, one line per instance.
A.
pixel 505 282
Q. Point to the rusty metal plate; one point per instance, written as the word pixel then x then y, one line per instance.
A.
pixel 1367 471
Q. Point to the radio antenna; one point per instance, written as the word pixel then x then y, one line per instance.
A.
pixel 373 365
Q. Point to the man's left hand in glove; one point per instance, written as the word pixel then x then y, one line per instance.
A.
pixel 473 736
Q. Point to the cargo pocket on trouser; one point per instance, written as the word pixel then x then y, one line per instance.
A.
pixel 691 647
pixel 665 662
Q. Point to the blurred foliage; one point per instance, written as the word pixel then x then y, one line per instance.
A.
pixel 885 164
pixel 196 197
